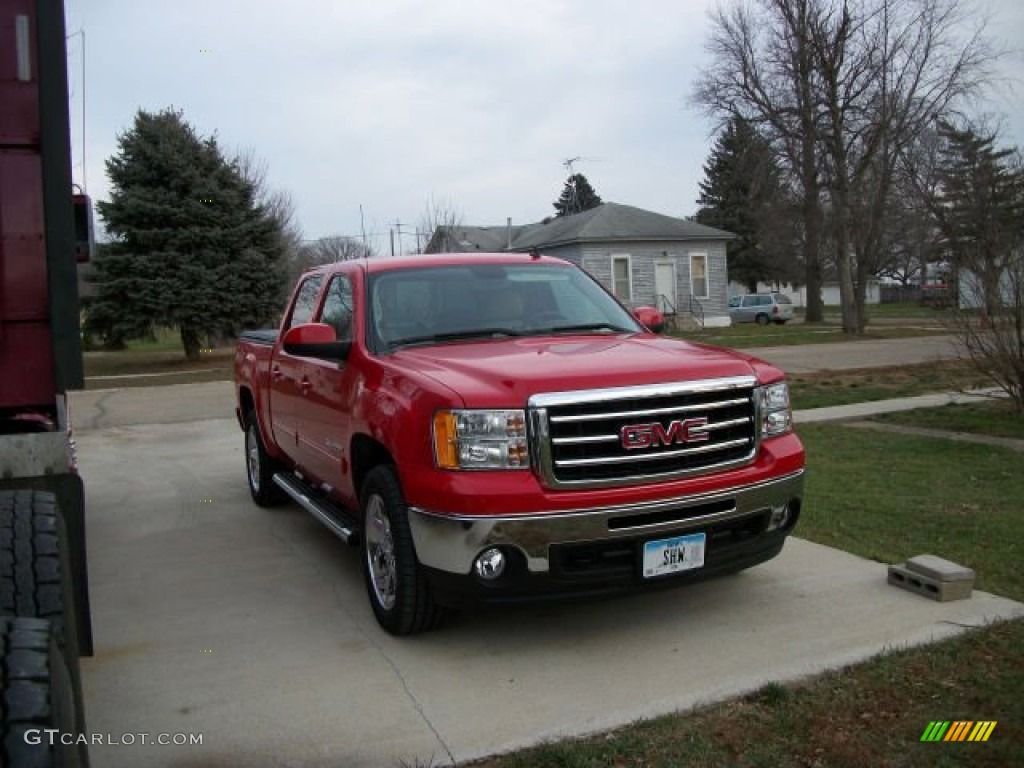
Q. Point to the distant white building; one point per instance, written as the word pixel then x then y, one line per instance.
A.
pixel 798 294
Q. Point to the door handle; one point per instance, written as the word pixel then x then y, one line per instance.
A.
pixel 305 386
pixel 275 372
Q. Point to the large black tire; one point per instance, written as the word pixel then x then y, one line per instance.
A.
pixel 761 319
pixel 260 467
pixel 35 574
pixel 36 692
pixel 399 594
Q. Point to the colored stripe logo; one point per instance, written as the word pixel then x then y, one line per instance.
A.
pixel 958 730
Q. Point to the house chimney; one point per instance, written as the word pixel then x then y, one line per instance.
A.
pixel 508 233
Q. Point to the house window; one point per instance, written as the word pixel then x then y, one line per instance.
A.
pixel 699 275
pixel 622 281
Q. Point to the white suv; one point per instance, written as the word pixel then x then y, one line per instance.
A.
pixel 761 308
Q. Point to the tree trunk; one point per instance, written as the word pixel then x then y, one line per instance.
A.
pixel 844 267
pixel 190 341
pixel 815 310
pixel 860 292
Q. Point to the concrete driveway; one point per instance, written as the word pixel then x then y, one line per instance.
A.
pixel 250 626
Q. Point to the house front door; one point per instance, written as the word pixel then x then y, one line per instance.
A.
pixel 665 287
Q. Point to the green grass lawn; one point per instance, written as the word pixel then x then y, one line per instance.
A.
pixel 160 355
pixel 749 335
pixel 827 388
pixel 889 497
pixel 957 500
pixel 988 417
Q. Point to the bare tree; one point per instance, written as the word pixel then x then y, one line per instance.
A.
pixel 763 70
pixel 338 248
pixel 845 86
pixel 327 250
pixel 439 223
pixel 887 67
pixel 277 202
pixel 994 337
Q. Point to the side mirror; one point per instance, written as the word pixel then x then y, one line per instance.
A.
pixel 315 340
pixel 651 317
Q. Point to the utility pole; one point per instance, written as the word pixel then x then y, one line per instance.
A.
pixel 392 233
pixel 398 226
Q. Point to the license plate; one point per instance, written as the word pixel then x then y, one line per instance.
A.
pixel 665 556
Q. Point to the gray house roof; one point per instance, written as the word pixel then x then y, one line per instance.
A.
pixel 608 222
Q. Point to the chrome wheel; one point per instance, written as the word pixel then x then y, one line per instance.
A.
pixel 252 457
pixel 380 553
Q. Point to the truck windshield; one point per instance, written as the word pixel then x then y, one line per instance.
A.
pixel 439 305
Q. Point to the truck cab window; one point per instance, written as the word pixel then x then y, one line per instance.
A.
pixel 305 301
pixel 337 310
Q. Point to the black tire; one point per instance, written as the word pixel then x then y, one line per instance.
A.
pixel 260 467
pixel 36 691
pixel 400 596
pixel 35 574
pixel 761 319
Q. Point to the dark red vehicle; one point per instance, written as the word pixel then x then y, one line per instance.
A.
pixel 497 427
pixel 44 605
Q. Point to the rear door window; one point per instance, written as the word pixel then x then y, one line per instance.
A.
pixel 337 311
pixel 305 301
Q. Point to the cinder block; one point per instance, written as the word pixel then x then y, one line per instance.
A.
pixel 943 591
pixel 937 568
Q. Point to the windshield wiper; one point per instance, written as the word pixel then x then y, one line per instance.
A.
pixel 588 327
pixel 438 338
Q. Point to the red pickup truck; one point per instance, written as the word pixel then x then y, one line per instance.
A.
pixel 497 427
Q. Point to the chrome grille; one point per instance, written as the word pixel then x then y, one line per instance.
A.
pixel 643 434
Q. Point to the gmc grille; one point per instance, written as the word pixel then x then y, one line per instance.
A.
pixel 643 434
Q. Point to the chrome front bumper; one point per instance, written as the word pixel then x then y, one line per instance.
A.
pixel 451 542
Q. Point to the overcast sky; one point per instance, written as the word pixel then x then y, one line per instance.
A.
pixel 389 103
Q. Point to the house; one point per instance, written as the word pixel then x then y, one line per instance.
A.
pixel 644 258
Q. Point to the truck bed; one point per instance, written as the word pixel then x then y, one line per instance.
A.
pixel 264 337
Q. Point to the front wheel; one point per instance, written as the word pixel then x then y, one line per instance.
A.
pixel 259 467
pixel 398 592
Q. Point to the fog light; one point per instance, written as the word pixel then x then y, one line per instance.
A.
pixel 779 518
pixel 490 564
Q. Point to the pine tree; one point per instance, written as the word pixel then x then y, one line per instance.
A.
pixel 192 248
pixel 577 196
pixel 742 193
pixel 981 207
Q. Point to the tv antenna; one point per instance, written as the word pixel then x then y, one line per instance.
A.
pixel 568 165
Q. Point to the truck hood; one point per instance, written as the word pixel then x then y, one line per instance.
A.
pixel 505 373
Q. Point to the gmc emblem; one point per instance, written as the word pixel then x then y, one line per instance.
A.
pixel 636 436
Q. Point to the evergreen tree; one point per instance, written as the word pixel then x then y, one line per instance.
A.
pixel 577 196
pixel 742 193
pixel 980 208
pixel 192 247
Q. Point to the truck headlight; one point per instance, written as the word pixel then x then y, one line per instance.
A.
pixel 475 439
pixel 776 415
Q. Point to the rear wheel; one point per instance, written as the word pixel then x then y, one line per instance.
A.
pixel 37 696
pixel 398 592
pixel 35 573
pixel 259 467
pixel 761 319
